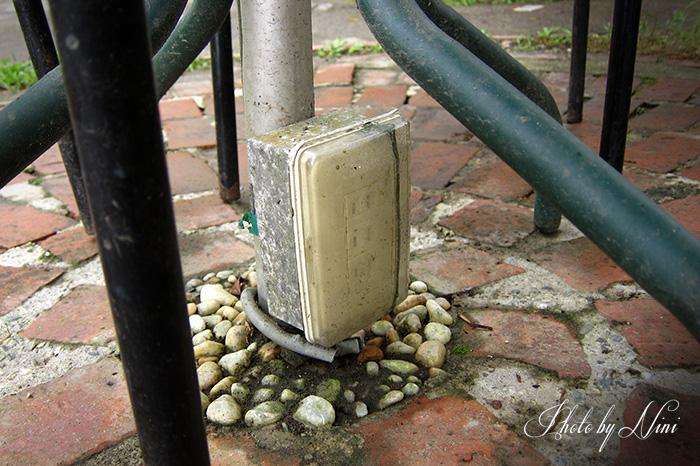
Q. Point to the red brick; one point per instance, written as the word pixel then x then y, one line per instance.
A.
pixel 686 212
pixel 491 222
pixel 423 99
pixel 189 174
pixel 50 162
pixel 59 187
pixel 207 251
pixel 448 430
pixel 662 152
pixel 68 418
pixel 667 117
pixel 493 179
pixel 581 264
pixel 190 132
pixel 21 224
pixel 228 448
pixel 422 206
pixel 391 96
pixel 641 180
pixel 677 448
pixel 192 87
pixel 436 124
pixel 203 212
pixel 178 109
pixel 657 335
pixel 72 246
pixel 593 110
pixel 21 178
pixel 532 338
pixel 692 173
pixel 433 164
pixel 333 97
pixel 337 73
pixel 454 268
pixel 82 316
pixel 669 90
pixel 377 77
pixel 588 133
pixel 19 283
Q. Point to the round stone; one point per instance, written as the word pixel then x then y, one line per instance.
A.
pixel 370 353
pixel 400 348
pixel 228 313
pixel 269 351
pixel 360 409
pixel 380 327
pixel 208 307
pixel 191 309
pixel 329 389
pixel 264 414
pixel 193 283
pixel 288 395
pixel 394 380
pixel 262 394
pixel 392 336
pixel 431 353
pixel 222 328
pixel 445 304
pixel 239 392
pixel 208 348
pixel 314 411
pixel 372 369
pixel 236 338
pixel 437 314
pixel 349 396
pixel 235 363
pixel 208 375
pixel 413 339
pixel 197 324
pixel 224 410
pixel 438 332
pixel 224 274
pixel 270 380
pixel 419 311
pixel 202 336
pixel 398 366
pixel 410 302
pixel 410 389
pixel 390 398
pixel 218 294
pixel 205 402
pixel 418 286
pixel 408 322
pixel 222 387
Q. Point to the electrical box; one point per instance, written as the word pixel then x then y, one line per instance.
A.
pixel 331 196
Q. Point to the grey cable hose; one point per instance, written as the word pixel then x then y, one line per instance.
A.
pixel 271 330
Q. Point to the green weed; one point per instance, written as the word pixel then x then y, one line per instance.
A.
pixel 15 76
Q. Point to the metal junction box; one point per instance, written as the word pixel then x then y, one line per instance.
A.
pixel 331 197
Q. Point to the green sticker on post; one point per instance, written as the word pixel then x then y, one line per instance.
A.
pixel 249 221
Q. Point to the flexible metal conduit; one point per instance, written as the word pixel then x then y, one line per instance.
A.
pixel 661 255
pixel 38 118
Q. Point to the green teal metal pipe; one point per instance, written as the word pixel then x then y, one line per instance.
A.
pixel 33 122
pixel 546 219
pixel 661 255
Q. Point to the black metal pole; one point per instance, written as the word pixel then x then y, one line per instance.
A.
pixel 112 101
pixel 225 112
pixel 577 71
pixel 618 92
pixel 37 36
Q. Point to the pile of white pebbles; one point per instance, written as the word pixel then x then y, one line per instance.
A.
pixel 245 379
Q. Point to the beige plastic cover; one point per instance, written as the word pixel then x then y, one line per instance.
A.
pixel 350 193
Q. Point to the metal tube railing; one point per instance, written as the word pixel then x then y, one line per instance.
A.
pixel 114 112
pixel 546 218
pixel 661 255
pixel 618 91
pixel 225 112
pixel 37 36
pixel 32 123
pixel 577 70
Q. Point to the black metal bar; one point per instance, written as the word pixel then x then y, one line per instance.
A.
pixel 225 112
pixel 618 92
pixel 577 71
pixel 42 52
pixel 112 101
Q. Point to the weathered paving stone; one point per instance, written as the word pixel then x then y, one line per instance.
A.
pixel 314 411
pixel 532 338
pixel 453 430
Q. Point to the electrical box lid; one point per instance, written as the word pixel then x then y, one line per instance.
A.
pixel 349 196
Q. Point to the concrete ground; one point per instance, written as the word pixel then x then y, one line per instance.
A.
pixel 569 329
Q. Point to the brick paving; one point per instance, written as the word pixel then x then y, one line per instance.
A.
pixel 565 324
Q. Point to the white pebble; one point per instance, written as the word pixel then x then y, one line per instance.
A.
pixel 380 327
pixel 235 363
pixel 360 409
pixel 438 332
pixel 197 324
pixel 208 307
pixel 218 294
pixel 224 410
pixel 418 286
pixel 202 337
pixel 390 398
pixel 314 411
pixel 265 414
pixel 437 314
